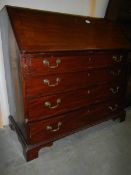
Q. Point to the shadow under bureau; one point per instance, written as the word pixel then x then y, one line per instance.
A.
pixel 67 73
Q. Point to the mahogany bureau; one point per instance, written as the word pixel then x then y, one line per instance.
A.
pixel 67 73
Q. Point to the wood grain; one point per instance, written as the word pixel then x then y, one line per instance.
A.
pixel 36 87
pixel 60 32
pixel 83 61
pixel 73 100
pixel 89 81
pixel 72 121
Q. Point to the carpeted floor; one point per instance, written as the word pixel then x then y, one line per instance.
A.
pixel 104 149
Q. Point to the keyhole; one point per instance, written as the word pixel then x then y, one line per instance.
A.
pixel 88 91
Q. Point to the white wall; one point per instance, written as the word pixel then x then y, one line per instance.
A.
pixel 67 6
pixel 80 7
pixel 101 6
pixel 3 91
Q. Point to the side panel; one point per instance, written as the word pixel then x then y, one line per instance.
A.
pixel 12 70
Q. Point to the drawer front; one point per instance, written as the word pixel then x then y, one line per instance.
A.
pixel 45 85
pixel 47 106
pixel 51 129
pixel 64 64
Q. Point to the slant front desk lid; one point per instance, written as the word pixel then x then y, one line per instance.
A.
pixel 42 31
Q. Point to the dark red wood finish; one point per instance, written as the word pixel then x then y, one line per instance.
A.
pixel 83 62
pixel 73 100
pixel 39 31
pixel 72 121
pixel 35 86
pixel 71 74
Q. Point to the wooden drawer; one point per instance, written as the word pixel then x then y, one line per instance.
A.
pixel 47 106
pixel 51 129
pixel 62 64
pixel 52 84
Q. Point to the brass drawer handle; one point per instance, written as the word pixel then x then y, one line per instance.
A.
pixel 115 90
pixel 113 108
pixel 117 59
pixel 46 62
pixel 47 82
pixel 50 128
pixel 115 73
pixel 48 104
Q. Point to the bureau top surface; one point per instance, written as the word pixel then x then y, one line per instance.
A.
pixel 41 31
